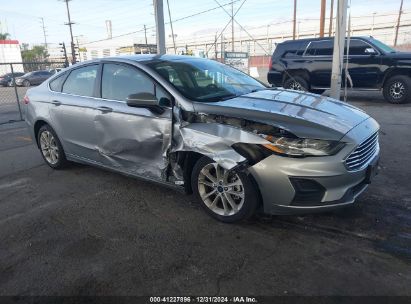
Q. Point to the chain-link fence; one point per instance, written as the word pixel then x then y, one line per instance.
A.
pixel 15 79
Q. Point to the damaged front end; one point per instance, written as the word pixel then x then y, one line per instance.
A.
pixel 234 143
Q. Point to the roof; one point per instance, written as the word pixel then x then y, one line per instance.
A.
pixel 323 38
pixel 9 42
pixel 152 57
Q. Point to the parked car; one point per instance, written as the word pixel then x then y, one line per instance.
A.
pixel 54 71
pixel 6 80
pixel 33 78
pixel 207 128
pixel 305 64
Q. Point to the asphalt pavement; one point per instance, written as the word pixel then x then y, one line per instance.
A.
pixel 85 231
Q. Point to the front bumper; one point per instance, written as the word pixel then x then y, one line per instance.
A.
pixel 327 182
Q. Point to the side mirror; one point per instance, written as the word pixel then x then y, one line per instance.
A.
pixel 370 51
pixel 145 100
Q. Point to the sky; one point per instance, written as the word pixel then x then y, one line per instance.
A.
pixel 21 18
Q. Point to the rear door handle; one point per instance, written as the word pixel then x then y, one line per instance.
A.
pixel 104 109
pixel 56 102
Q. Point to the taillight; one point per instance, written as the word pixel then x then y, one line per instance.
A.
pixel 270 63
pixel 26 99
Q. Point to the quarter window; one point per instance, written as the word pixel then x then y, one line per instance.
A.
pixel 81 81
pixel 120 81
pixel 55 84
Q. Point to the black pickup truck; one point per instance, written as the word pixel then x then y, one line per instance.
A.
pixel 305 64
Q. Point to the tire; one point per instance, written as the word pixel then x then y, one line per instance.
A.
pixel 296 83
pixel 223 202
pixel 10 83
pixel 397 89
pixel 51 148
pixel 26 83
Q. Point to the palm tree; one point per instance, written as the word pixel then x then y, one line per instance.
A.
pixel 4 36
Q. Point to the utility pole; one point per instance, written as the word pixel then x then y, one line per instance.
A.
pixel 222 49
pixel 295 18
pixel 145 34
pixel 44 32
pixel 373 23
pixel 73 50
pixel 171 25
pixel 322 18
pixel 215 45
pixel 160 32
pixel 63 46
pixel 232 26
pixel 330 28
pixel 398 24
pixel 78 47
pixel 338 53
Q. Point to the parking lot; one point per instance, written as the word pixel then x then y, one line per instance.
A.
pixel 9 110
pixel 85 231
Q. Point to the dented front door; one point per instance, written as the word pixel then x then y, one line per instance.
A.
pixel 132 140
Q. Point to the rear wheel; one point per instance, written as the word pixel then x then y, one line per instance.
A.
pixel 51 148
pixel 397 89
pixel 228 196
pixel 296 83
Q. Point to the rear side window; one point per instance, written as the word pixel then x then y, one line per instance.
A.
pixel 320 48
pixel 120 81
pixel 55 84
pixel 81 81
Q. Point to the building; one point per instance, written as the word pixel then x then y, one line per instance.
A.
pixel 10 53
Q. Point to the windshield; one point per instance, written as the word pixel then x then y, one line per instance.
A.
pixel 206 80
pixel 382 46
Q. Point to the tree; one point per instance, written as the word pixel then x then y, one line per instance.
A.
pixel 4 36
pixel 36 54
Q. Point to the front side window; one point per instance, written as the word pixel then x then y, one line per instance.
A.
pixel 120 81
pixel 205 80
pixel 358 47
pixel 81 81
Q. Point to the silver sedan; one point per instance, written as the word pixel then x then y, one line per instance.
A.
pixel 209 129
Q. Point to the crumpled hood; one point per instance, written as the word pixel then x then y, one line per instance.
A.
pixel 304 114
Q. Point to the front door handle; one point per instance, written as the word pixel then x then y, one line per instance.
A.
pixel 56 102
pixel 104 109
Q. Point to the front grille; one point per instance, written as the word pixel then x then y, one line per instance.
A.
pixel 363 153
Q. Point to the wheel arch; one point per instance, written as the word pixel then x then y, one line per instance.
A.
pixel 396 72
pixel 297 72
pixel 36 127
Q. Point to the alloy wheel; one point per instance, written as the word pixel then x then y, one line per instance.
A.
pixel 49 147
pixel 397 90
pixel 221 190
pixel 295 85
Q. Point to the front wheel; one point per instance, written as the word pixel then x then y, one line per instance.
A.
pixel 228 196
pixel 26 83
pixel 51 148
pixel 397 89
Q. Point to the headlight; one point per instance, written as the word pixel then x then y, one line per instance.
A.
pixel 302 146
